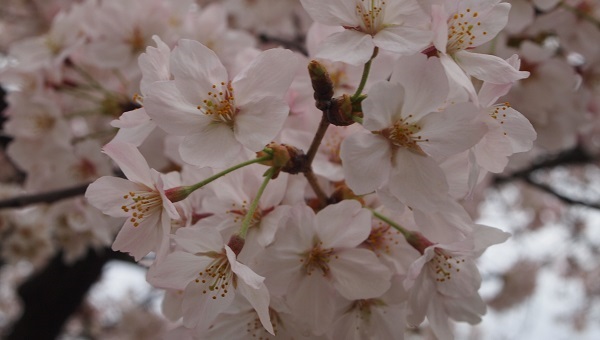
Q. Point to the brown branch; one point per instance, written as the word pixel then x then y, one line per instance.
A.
pixel 575 156
pixel 548 189
pixel 295 45
pixel 46 197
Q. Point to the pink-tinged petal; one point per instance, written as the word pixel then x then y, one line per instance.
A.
pixel 199 240
pixel 332 13
pixel 154 64
pixel 485 236
pixel 242 271
pixel 425 84
pixel 418 300
pixel 358 274
pixel 139 241
pixel 196 68
pixel 489 68
pixel 366 160
pixel 134 127
pixel 259 298
pixel 466 309
pixel 383 105
pixel 131 119
pixel 215 147
pixel 519 130
pixel 312 300
pixel 106 194
pixel 199 307
pixel 167 107
pixel 131 162
pixel 259 122
pixel 414 273
pixel 343 225
pixel 493 150
pixel 164 246
pixel 439 26
pixel 177 270
pixel 269 74
pixel 419 182
pixel 492 22
pixel 402 41
pixel 452 131
pixel 270 223
pixel 349 46
pixel 457 76
pixel 439 320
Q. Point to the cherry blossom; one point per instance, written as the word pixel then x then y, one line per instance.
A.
pixel 315 258
pixel 141 199
pixel 207 271
pixel 407 138
pixel 222 119
pixel 462 25
pixel 389 25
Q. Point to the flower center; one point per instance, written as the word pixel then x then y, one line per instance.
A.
pixel 217 276
pixel 403 134
pixel 240 213
pixel 317 258
pixel 220 104
pixel 370 13
pixel 141 205
pixel 443 265
pixel 381 239
pixel 460 30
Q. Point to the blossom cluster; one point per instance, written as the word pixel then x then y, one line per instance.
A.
pixel 295 203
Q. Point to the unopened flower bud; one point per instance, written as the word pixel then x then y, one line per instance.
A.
pixel 178 193
pixel 340 111
pixel 321 83
pixel 286 158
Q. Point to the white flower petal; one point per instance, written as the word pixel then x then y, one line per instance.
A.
pixel 269 74
pixel 215 147
pixel 402 41
pixel 168 108
pixel 259 122
pixel 131 162
pixel 332 12
pixel 366 160
pixel 358 274
pixel 488 67
pixel 345 224
pixel 349 46
pixel 425 84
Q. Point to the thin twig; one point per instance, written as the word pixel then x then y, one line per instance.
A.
pixel 46 197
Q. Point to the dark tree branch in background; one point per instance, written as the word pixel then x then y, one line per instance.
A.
pixel 548 189
pixel 52 295
pixel 575 156
pixel 46 197
pixel 291 44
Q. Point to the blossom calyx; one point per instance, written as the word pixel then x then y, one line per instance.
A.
pixel 343 192
pixel 418 241
pixel 285 158
pixel 236 243
pixel 340 111
pixel 178 193
pixel 321 83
